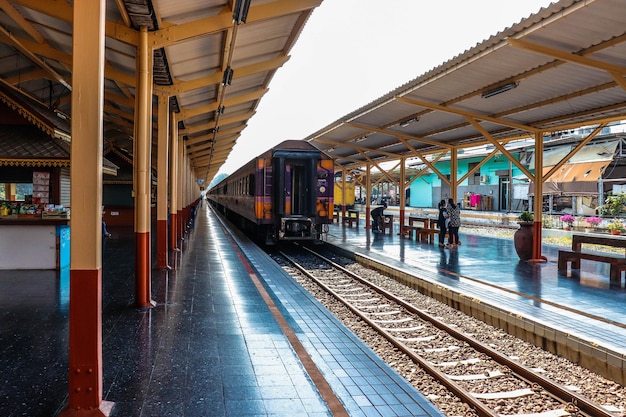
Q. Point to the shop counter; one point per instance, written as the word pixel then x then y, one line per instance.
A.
pixel 34 243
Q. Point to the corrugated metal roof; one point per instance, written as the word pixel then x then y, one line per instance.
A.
pixel 194 43
pixel 29 142
pixel 564 68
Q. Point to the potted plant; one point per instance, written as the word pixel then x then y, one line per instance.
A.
pixel 616 226
pixel 525 217
pixel 523 237
pixel 593 222
pixel 568 219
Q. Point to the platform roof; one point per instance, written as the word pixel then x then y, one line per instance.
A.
pixel 196 45
pixel 564 67
pixel 559 69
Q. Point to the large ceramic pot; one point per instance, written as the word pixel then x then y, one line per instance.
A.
pixel 523 239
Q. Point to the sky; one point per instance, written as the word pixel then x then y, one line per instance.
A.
pixel 351 52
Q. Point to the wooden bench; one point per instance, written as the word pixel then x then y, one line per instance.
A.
pixel 422 227
pixel 351 218
pixel 407 231
pixel 617 263
pixel 427 235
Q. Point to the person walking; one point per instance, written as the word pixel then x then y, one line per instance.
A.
pixel 454 215
pixel 441 223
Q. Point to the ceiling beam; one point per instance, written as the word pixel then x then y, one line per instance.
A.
pixel 172 33
pixel 399 135
pixel 229 102
pixel 216 78
pixel 566 56
pixel 243 117
pixel 466 113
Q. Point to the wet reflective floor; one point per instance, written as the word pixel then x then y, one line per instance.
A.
pixel 210 347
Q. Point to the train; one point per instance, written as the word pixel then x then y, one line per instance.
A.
pixel 286 193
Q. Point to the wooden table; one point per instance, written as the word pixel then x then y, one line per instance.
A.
pixel 387 223
pixel 617 262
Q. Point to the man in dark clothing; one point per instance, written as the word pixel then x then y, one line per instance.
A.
pixel 377 216
pixel 441 223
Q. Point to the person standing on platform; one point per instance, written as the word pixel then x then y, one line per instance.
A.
pixel 377 217
pixel 441 223
pixel 105 232
pixel 454 215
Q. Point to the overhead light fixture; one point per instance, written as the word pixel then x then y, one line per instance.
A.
pixel 499 90
pixel 220 110
pixel 214 129
pixel 228 76
pixel 240 13
pixel 407 122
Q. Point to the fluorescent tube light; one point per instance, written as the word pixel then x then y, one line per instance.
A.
pixel 499 90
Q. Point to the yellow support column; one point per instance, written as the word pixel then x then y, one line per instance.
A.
pixel 454 164
pixel 162 181
pixel 85 318
pixel 401 186
pixel 179 194
pixel 143 173
pixel 538 201
pixel 174 160
pixel 368 182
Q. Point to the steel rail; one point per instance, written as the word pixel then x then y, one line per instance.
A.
pixel 559 392
pixel 466 396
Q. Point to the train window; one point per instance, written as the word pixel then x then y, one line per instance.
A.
pixel 251 186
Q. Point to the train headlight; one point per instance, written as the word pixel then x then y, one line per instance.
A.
pixel 322 189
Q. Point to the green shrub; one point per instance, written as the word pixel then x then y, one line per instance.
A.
pixel 614 205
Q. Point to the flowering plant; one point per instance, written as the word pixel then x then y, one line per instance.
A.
pixel 593 221
pixel 615 224
pixel 567 218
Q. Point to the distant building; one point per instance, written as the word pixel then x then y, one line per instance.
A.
pixel 578 186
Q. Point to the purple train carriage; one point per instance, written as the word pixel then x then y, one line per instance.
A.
pixel 285 193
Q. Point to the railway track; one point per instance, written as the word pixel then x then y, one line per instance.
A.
pixel 491 383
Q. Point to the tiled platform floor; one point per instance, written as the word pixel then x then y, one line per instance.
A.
pixel 210 347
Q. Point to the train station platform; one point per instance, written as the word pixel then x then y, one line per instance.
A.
pixel 583 312
pixel 219 342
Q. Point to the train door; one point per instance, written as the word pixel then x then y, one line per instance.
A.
pixel 295 198
pixel 293 185
pixel 267 190
pixel 300 180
